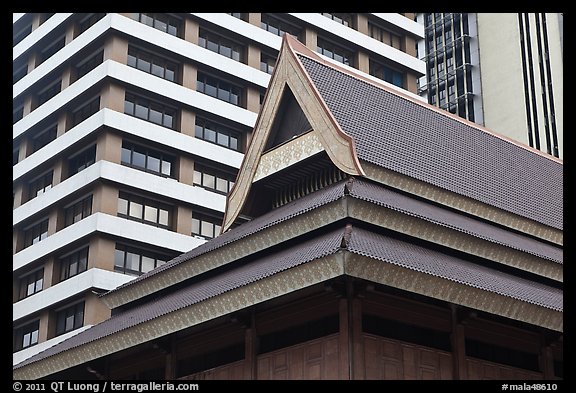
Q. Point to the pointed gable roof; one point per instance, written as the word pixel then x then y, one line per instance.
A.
pixel 363 124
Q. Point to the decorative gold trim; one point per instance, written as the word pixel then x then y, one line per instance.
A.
pixel 276 234
pixel 462 203
pixel 339 146
pixel 413 226
pixel 296 150
pixel 439 288
pixel 282 283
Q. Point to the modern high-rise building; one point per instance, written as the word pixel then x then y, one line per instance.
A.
pixel 501 70
pixel 128 132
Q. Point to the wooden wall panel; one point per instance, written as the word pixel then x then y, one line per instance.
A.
pixel 392 359
pixel 312 360
pixel 231 371
pixel 482 369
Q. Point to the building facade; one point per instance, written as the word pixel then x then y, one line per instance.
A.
pixel 128 132
pixel 355 246
pixel 500 70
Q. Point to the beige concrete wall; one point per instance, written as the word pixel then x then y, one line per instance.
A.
pixel 95 310
pixel 101 253
pixel 502 75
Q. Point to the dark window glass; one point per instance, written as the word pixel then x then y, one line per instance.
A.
pixel 52 49
pixel 386 73
pixel 40 185
pixel 345 19
pixel 44 138
pixel 135 261
pixel 31 283
pixel 152 112
pixel 216 133
pixel 78 211
pixel 219 89
pixel 88 65
pixel 49 93
pixel 26 336
pixel 206 226
pixel 221 45
pixel 147 159
pixel 335 52
pixel 36 233
pixel 144 210
pixel 213 179
pixel 82 160
pixel 162 22
pixel 23 33
pixel 89 20
pixel 152 64
pixel 70 318
pixel 277 26
pixel 74 264
pixel 86 111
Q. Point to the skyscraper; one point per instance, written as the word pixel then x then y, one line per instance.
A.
pixel 501 70
pixel 128 132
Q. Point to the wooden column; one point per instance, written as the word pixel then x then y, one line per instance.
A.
pixel 458 343
pixel 251 350
pixel 344 342
pixel 356 343
pixel 170 365
pixel 546 358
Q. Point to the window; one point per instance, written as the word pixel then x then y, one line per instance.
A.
pixel 49 92
pixel 386 73
pixel 78 211
pixel 147 159
pixel 345 19
pixel 40 185
pixel 162 22
pixel 36 233
pixel 384 35
pixel 218 134
pixel 88 65
pixel 15 154
pixel 89 20
pixel 277 26
pixel 135 261
pixel 335 52
pixel 21 34
pixel 52 48
pixel 212 179
pixel 17 113
pixel 206 226
pixel 150 111
pixel 82 160
pixel 150 212
pixel 26 336
pixel 74 264
pixel 43 138
pixel 267 63
pixel 70 318
pixel 86 111
pixel 152 64
pixel 220 45
pixel 31 283
pixel 238 15
pixel 217 88
pixel 19 73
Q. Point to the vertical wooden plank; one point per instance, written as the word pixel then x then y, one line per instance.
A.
pixel 359 371
pixel 344 341
pixel 458 337
pixel 250 368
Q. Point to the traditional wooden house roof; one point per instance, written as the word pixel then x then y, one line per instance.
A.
pixel 345 176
